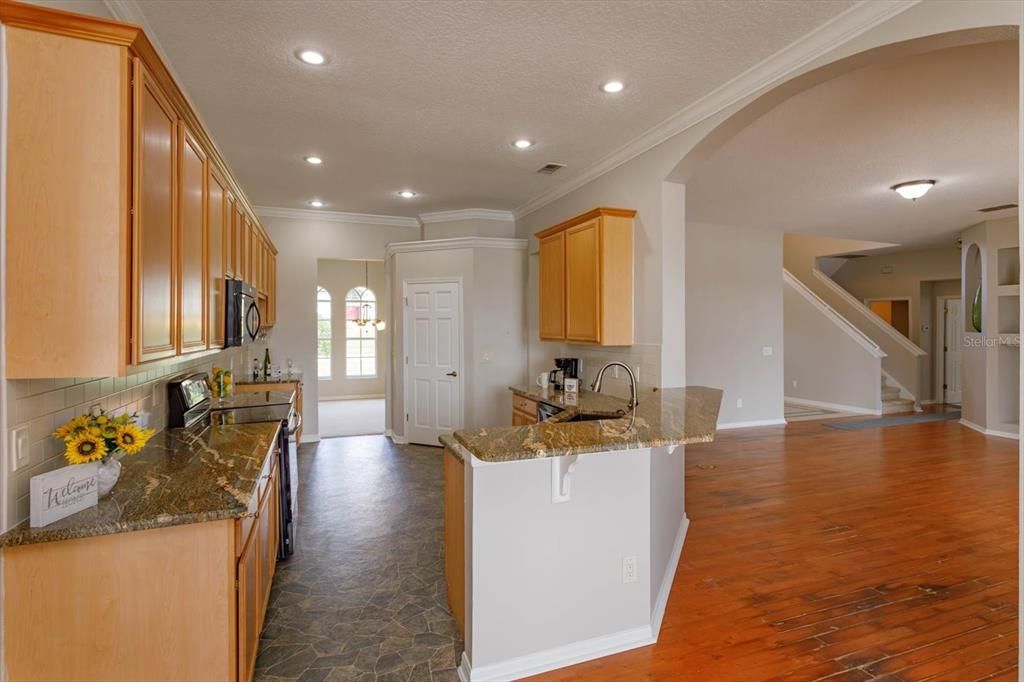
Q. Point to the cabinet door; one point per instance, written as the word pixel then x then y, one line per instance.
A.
pixel 583 282
pixel 520 419
pixel 154 246
pixel 249 605
pixel 192 288
pixel 552 287
pixel 215 255
pixel 229 235
pixel 267 530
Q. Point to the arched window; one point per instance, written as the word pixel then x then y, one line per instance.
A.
pixel 360 339
pixel 323 333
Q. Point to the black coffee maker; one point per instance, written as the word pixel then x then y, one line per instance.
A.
pixel 565 368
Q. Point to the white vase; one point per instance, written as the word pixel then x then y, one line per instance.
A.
pixel 107 474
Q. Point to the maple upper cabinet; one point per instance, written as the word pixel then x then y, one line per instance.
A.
pixel 120 215
pixel 192 244
pixel 155 252
pixel 216 241
pixel 586 279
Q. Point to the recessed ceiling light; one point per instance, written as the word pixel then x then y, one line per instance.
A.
pixel 612 87
pixel 313 160
pixel 311 57
pixel 522 144
pixel 914 189
pixel 316 203
pixel 407 194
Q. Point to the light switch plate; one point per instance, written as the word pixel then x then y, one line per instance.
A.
pixel 767 350
pixel 21 451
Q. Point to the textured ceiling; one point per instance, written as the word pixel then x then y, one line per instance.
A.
pixel 428 95
pixel 822 162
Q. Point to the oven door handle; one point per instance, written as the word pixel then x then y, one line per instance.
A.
pixel 298 423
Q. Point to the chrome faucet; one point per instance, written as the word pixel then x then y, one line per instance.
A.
pixel 596 386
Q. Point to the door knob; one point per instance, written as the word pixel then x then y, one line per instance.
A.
pixel 452 374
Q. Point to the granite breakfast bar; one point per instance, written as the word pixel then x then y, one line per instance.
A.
pixel 539 518
pixel 167 578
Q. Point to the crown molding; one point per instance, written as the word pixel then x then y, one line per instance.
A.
pixel 774 69
pixel 456 243
pixel 467 214
pixel 335 216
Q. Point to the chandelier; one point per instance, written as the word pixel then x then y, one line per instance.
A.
pixel 364 310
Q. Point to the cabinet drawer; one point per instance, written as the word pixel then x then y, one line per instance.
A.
pixel 524 405
pixel 245 524
pixel 263 484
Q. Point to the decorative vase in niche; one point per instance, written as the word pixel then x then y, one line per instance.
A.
pixel 107 473
pixel 976 310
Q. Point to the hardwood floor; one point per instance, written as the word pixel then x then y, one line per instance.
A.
pixel 884 554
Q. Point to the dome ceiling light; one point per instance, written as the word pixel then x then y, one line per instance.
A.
pixel 913 189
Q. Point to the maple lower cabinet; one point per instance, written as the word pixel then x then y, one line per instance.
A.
pixel 586 279
pixel 113 189
pixel 192 245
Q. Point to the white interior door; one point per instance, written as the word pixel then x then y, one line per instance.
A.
pixel 953 339
pixel 433 386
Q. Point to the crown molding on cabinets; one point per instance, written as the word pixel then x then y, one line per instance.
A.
pixel 456 243
pixel 335 216
pixel 774 69
pixel 467 214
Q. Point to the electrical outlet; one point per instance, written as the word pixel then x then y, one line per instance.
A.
pixel 636 373
pixel 629 569
pixel 794 383
pixel 767 351
pixel 739 403
pixel 158 395
pixel 21 452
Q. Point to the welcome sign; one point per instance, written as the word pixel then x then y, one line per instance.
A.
pixel 63 492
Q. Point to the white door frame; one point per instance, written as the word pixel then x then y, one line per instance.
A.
pixel 403 361
pixel 940 316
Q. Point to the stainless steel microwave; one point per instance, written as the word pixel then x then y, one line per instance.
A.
pixel 242 316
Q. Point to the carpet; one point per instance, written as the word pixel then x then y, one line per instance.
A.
pixel 902 420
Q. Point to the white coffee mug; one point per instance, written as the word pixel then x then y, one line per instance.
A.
pixel 542 380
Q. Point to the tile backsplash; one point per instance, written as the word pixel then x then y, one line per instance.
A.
pixel 44 404
pixel 645 357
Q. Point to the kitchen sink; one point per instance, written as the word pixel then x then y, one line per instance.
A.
pixel 585 417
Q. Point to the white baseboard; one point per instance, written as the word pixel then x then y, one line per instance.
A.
pixel 559 657
pixel 658 611
pixel 368 396
pixel 835 407
pixel 396 439
pixel 588 649
pixel 310 438
pixel 747 425
pixel 990 432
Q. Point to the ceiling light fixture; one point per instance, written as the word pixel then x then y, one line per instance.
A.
pixel 313 160
pixel 407 194
pixel 311 57
pixel 611 87
pixel 316 203
pixel 368 311
pixel 522 143
pixel 914 189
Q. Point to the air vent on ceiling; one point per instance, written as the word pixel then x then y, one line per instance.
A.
pixel 549 168
pixel 1001 207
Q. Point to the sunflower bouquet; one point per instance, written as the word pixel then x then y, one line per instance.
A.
pixel 92 437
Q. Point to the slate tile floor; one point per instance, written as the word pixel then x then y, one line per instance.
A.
pixel 363 598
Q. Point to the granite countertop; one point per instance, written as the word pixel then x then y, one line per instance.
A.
pixel 259 399
pixel 180 477
pixel 665 417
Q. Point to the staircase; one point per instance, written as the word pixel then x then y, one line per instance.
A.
pixel 892 400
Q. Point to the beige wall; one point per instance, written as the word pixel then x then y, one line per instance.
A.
pixel 823 363
pixel 493 322
pixel 301 242
pixel 473 227
pixel 733 311
pixel 912 274
pixel 338 277
pixel 96 8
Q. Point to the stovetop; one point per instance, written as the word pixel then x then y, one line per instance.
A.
pixel 250 415
pixel 245 400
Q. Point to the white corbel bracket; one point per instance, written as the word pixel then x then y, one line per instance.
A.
pixel 561 469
